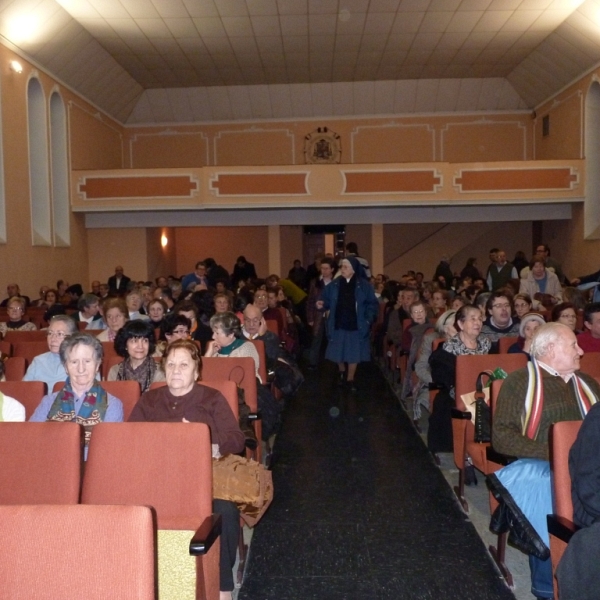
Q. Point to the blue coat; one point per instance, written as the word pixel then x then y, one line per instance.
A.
pixel 367 306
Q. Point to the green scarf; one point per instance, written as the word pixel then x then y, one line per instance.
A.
pixel 92 410
pixel 227 350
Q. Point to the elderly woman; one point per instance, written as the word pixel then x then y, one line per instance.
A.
pixel 115 315
pixel 184 400
pixel 440 301
pixel 134 303
pixel 49 367
pixel 522 304
pixel 223 303
pixel 16 311
pixel 468 323
pixel 135 342
pixel 541 284
pixel 228 340
pixel 529 325
pixel 566 314
pixel 82 399
pixel 352 307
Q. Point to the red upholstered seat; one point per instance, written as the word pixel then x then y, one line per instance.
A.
pixel 39 543
pixel 28 393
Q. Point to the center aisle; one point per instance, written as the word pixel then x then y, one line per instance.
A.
pixel 360 509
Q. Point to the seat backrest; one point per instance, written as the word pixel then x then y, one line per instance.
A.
pixel 109 349
pixel 38 542
pixel 273 326
pixel 262 366
pixel 14 368
pixel 25 336
pixel 504 343
pixel 227 388
pixel 496 385
pixel 590 364
pixel 238 369
pixel 562 437
pixel 29 350
pixel 41 463
pixel 164 465
pixel 128 392
pixel 436 343
pixel 469 366
pixel 108 363
pixel 28 393
pixel 6 348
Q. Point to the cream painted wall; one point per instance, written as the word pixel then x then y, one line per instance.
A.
pixel 160 261
pixel 224 244
pixel 291 247
pixel 108 248
pixel 361 234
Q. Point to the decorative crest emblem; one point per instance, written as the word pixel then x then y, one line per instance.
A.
pixel 322 147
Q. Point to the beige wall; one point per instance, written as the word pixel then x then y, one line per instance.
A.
pixel 224 244
pixel 160 261
pixel 108 248
pixel 291 247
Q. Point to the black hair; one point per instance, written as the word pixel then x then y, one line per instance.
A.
pixel 589 310
pixel 137 328
pixel 171 322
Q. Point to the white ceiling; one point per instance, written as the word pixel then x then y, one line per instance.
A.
pixel 201 60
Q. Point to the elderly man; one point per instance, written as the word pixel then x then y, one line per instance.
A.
pixel 530 400
pixel 499 322
pixel 400 312
pixel 255 328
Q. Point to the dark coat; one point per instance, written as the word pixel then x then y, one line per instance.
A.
pixel 112 284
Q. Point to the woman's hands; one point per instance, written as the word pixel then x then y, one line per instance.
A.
pixel 212 349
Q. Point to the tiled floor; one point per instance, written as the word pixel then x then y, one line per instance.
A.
pixel 360 509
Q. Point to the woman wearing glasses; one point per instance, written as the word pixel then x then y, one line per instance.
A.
pixel 48 367
pixel 16 311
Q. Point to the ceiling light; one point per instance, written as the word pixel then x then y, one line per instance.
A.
pixel 23 28
pixel 16 66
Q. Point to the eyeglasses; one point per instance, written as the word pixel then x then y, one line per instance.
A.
pixel 500 305
pixel 17 308
pixel 57 334
pixel 250 321
pixel 417 312
pixel 181 332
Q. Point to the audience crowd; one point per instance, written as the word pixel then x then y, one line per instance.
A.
pixel 335 309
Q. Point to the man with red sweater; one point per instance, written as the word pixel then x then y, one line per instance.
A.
pixel 589 340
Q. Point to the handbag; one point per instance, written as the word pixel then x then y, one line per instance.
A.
pixel 288 377
pixel 244 482
pixel 478 404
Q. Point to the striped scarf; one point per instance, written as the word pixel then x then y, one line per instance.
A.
pixel 534 400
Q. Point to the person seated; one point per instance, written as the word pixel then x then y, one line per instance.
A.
pixel 197 277
pixel 528 326
pixel 550 389
pixel 199 331
pixel 11 410
pixel 115 315
pixel 242 271
pixel 157 310
pixel 589 340
pixel 399 314
pixel 134 304
pixel 135 342
pixel 541 284
pixel 227 340
pixel 89 309
pixel 174 327
pixel 255 328
pixel 12 290
pixel 499 322
pixel 440 301
pixel 16 308
pixel 166 295
pixel 222 303
pixel 82 399
pixel 49 367
pixel 261 300
pixel 185 400
pixel 522 304
pixel 41 301
pixel 566 314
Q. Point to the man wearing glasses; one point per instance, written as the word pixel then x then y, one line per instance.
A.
pixel 48 367
pixel 499 322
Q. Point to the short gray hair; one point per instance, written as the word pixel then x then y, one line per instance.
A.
pixel 83 339
pixel 68 321
pixel 544 337
pixel 228 322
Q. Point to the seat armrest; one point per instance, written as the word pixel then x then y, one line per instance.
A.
pixel 432 385
pixel 561 527
pixel 497 457
pixel 461 414
pixel 206 535
pixel 254 416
